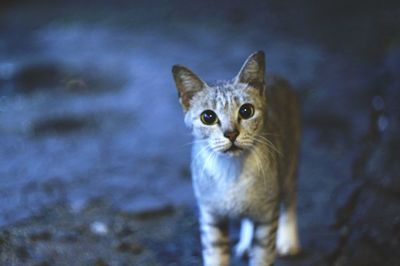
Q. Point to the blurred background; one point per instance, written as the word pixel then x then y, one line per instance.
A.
pixel 94 155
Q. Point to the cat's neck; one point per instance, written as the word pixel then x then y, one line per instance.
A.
pixel 223 166
pixel 226 167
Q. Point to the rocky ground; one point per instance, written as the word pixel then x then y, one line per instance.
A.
pixel 93 151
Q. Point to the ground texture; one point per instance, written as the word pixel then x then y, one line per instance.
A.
pixel 94 154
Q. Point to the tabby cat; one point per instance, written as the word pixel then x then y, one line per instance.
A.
pixel 244 161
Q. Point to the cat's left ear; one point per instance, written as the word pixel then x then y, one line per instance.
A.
pixel 253 70
pixel 187 83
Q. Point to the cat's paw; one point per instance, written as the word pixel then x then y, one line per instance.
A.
pixel 287 245
pixel 242 250
pixel 288 250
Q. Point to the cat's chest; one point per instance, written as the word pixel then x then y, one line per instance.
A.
pixel 233 187
pixel 229 196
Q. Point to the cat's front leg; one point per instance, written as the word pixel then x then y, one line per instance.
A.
pixel 214 239
pixel 243 248
pixel 263 249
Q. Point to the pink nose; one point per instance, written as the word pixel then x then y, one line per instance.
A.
pixel 231 135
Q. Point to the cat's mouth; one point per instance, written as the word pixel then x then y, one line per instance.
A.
pixel 233 149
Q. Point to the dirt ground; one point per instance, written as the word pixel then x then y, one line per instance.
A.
pixel 94 155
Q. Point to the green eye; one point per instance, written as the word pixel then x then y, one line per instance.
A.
pixel 208 117
pixel 246 111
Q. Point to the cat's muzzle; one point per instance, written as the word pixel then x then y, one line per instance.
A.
pixel 233 149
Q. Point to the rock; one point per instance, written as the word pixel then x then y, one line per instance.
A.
pixel 99 228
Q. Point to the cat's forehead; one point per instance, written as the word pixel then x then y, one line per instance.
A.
pixel 225 94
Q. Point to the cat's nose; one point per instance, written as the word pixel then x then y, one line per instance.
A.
pixel 231 134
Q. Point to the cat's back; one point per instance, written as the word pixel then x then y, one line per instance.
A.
pixel 283 123
pixel 282 100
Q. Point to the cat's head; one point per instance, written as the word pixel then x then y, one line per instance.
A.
pixel 227 117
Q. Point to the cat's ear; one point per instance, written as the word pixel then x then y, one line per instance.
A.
pixel 253 70
pixel 187 83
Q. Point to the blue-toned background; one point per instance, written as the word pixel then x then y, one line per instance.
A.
pixel 89 110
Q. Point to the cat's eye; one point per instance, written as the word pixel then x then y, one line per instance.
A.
pixel 246 111
pixel 209 117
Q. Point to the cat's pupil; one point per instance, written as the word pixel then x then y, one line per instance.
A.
pixel 246 111
pixel 208 117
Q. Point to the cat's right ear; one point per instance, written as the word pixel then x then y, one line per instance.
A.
pixel 253 70
pixel 187 83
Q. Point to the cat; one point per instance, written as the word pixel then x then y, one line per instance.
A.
pixel 244 161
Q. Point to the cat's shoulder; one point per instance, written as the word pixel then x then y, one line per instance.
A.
pixel 280 89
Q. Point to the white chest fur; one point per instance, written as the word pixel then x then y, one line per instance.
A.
pixel 231 185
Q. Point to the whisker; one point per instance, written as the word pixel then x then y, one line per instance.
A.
pixel 200 152
pixel 269 144
pixel 270 134
pixel 194 142
pixel 260 167
pixel 218 147
pixel 209 156
pixel 261 141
